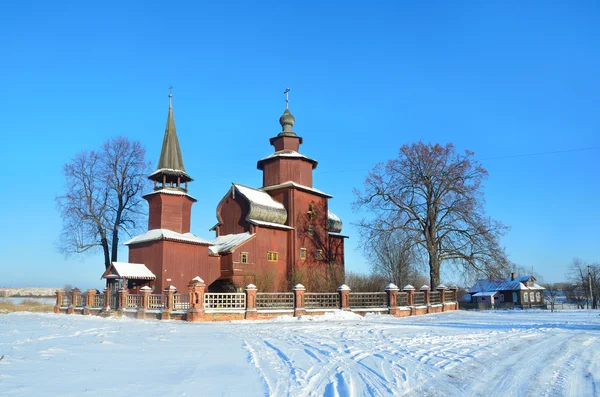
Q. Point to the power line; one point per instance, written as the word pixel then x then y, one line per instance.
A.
pixel 541 153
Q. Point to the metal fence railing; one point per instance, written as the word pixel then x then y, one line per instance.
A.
pixel 80 300
pixel 419 299
pixel 66 301
pixel 113 301
pixel 181 302
pixel 434 298
pixel 225 301
pixel 155 301
pixel 133 301
pixel 368 299
pixel 274 300
pixel 322 300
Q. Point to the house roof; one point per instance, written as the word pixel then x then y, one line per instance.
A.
pixel 225 244
pixel 490 293
pixel 504 284
pixel 166 234
pixel 131 271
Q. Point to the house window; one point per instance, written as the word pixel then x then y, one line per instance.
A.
pixel 319 255
pixel 525 297
pixel 532 296
pixel 538 297
pixel 244 257
pixel 311 230
pixel 302 253
pixel 273 256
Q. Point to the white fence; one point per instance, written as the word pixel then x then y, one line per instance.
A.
pixel 181 302
pixel 155 301
pixel 225 301
pixel 274 300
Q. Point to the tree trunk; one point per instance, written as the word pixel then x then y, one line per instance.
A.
pixel 434 270
pixel 104 243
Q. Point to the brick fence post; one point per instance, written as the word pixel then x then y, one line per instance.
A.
pixel 71 307
pixel 145 292
pixel 454 290
pixel 344 292
pixel 392 298
pixel 89 301
pixel 196 297
pixel 427 294
pixel 299 291
pixel 251 311
pixel 59 298
pixel 106 309
pixel 441 288
pixel 122 301
pixel 168 302
pixel 410 298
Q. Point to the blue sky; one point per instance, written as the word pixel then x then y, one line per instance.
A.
pixel 499 78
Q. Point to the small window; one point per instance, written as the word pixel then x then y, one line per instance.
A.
pixel 302 253
pixel 319 255
pixel 244 257
pixel 525 297
pixel 532 296
pixel 538 297
pixel 311 230
pixel 273 256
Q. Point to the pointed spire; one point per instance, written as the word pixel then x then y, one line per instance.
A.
pixel 170 162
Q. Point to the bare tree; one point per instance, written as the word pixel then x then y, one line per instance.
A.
pixel 551 294
pixel 103 197
pixel 585 277
pixel 435 196
pixel 390 254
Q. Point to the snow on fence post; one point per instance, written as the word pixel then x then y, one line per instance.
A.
pixel 59 298
pixel 299 291
pixel 168 302
pixel 89 300
pixel 196 298
pixel 427 296
pixel 145 292
pixel 122 302
pixel 392 295
pixel 344 292
pixel 441 288
pixel 251 311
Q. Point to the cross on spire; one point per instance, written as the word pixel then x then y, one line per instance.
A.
pixel 287 100
pixel 170 97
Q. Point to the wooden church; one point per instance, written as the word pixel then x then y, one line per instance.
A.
pixel 274 236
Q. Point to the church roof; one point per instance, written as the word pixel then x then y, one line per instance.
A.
pixel 225 244
pixel 334 223
pixel 170 191
pixel 297 186
pixel 166 234
pixel 262 206
pixel 288 154
pixel 131 271
pixel 170 161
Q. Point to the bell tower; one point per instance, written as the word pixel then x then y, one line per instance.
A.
pixel 170 205
pixel 286 164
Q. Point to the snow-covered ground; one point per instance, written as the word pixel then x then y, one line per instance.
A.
pixel 505 353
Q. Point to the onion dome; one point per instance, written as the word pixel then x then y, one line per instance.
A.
pixel 287 121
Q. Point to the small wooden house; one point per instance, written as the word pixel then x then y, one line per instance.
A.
pixel 513 291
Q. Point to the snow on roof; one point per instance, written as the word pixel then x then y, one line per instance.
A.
pixel 297 186
pixel 133 271
pixel 225 244
pixel 286 153
pixel 165 234
pixel 270 224
pixel 334 223
pixel 262 206
pixel 169 171
pixel 172 192
pixel 503 284
pixel 491 293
